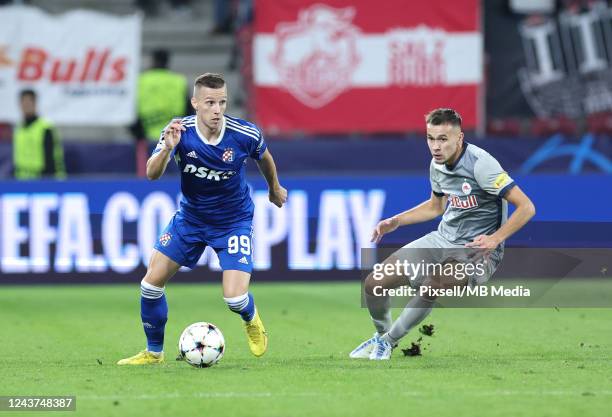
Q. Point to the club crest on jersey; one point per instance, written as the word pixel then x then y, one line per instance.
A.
pixel 463 203
pixel 165 239
pixel 466 188
pixel 228 155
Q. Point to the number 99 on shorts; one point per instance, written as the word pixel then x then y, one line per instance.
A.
pixel 240 244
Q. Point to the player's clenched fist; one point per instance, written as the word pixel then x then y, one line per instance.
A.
pixel 278 196
pixel 172 133
pixel 383 227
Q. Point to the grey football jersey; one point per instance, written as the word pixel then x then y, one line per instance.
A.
pixel 475 185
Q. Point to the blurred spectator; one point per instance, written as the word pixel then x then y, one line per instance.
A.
pixel 231 16
pixel 162 95
pixel 37 149
pixel 244 13
pixel 223 17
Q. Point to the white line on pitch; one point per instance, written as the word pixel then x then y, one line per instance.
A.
pixel 319 394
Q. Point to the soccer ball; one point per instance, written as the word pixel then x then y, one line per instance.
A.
pixel 201 344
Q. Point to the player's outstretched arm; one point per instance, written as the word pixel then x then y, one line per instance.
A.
pixel 427 210
pixel 276 193
pixel 156 165
pixel 524 211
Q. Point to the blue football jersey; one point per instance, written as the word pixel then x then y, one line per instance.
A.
pixel 213 176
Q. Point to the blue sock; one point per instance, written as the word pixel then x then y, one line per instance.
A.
pixel 154 314
pixel 243 305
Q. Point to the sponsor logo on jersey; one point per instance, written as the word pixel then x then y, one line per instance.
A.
pixel 165 239
pixel 208 173
pixel 466 188
pixel 501 180
pixel 228 155
pixel 192 154
pixel 463 203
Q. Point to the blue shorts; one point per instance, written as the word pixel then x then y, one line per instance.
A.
pixel 184 243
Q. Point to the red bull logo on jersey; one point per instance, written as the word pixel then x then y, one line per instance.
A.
pixel 208 173
pixel 463 203
pixel 317 55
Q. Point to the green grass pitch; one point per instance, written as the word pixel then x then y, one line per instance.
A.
pixel 65 340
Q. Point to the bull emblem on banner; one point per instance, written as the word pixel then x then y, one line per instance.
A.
pixel 317 55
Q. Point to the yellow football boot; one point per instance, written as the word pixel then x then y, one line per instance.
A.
pixel 143 358
pixel 256 335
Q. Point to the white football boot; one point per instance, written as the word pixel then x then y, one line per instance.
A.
pixel 364 350
pixel 382 350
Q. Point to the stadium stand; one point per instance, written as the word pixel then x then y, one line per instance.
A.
pixel 195 50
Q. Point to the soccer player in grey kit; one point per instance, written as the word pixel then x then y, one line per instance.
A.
pixel 471 190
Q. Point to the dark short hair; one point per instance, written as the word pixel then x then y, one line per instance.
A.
pixel 443 116
pixel 27 92
pixel 210 80
pixel 161 58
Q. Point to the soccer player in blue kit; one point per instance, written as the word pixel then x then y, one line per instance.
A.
pixel 216 210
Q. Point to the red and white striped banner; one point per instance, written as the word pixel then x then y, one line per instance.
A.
pixel 364 66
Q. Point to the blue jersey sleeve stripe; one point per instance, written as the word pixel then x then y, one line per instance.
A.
pixel 235 123
pixel 245 128
pixel 243 132
pixel 244 123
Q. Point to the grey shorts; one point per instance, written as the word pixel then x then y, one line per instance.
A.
pixel 434 249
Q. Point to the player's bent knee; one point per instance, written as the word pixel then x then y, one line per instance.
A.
pixel 235 283
pixel 155 278
pixel 161 269
pixel 369 285
pixel 372 286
